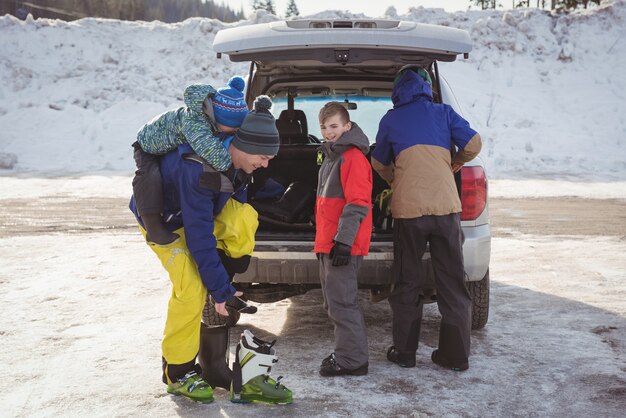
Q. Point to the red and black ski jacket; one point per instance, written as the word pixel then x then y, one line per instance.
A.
pixel 343 208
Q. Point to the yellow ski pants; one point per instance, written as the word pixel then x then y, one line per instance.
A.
pixel 235 227
pixel 181 337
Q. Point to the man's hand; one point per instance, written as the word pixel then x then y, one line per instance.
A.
pixel 340 254
pixel 456 167
pixel 220 308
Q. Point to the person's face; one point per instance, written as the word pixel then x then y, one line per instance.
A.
pixel 333 128
pixel 226 129
pixel 248 162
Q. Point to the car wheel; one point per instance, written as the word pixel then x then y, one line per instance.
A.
pixel 479 291
pixel 211 317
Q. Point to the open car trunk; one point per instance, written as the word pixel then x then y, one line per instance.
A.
pixel 283 262
pixel 290 216
pixel 324 60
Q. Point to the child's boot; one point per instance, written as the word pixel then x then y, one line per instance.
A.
pixel 251 380
pixel 155 229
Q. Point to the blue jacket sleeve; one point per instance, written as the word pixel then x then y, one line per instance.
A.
pixel 383 152
pixel 197 212
pixel 459 128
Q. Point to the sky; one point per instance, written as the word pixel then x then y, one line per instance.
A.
pixel 369 8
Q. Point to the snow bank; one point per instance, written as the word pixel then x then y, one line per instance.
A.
pixel 544 90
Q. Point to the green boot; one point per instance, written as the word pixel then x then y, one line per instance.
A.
pixel 251 379
pixel 263 388
pixel 193 387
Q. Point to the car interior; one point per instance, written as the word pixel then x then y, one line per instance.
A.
pixel 291 210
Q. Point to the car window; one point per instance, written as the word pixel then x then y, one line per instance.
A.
pixel 369 110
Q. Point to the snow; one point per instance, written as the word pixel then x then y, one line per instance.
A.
pixel 80 336
pixel 83 312
pixel 545 91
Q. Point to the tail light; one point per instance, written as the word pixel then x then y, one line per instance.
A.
pixel 473 192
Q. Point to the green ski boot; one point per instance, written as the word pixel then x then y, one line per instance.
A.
pixel 193 387
pixel 251 380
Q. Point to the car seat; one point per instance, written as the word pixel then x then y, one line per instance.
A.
pixel 292 127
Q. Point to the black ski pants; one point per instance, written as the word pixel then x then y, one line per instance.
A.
pixel 147 183
pixel 445 237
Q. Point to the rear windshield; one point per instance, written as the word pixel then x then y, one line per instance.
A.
pixel 369 110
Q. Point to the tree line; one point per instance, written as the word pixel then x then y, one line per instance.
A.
pixel 170 11
pixel 291 11
pixel 540 4
pixel 167 11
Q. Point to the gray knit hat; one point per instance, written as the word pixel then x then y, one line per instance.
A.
pixel 258 134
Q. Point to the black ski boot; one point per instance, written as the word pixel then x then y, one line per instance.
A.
pixel 213 356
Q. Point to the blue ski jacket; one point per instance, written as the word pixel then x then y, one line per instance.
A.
pixel 194 194
pixel 413 146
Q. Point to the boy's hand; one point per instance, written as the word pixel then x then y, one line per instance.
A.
pixel 340 254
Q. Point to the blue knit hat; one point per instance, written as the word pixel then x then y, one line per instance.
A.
pixel 229 106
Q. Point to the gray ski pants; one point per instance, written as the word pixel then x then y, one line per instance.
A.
pixel 341 301
pixel 445 237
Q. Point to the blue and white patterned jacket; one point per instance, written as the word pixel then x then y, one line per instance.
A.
pixel 188 124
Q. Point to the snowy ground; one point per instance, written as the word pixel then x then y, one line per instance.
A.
pixel 82 336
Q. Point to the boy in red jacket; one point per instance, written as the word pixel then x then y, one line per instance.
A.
pixel 343 215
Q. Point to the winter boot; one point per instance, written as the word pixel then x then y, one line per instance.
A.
pixel 155 229
pixel 401 358
pixel 454 346
pixel 330 368
pixel 213 356
pixel 251 380
pixel 193 387
pixel 440 360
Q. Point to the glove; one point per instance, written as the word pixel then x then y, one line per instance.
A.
pixel 240 305
pixel 340 254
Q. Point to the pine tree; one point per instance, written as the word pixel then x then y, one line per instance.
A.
pixel 292 10
pixel 484 4
pixel 269 6
pixel 258 4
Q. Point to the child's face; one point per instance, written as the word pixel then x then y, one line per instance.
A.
pixel 333 128
pixel 226 129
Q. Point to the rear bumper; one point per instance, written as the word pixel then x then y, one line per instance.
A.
pixel 476 251
pixel 295 263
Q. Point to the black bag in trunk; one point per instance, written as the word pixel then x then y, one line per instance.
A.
pixel 294 206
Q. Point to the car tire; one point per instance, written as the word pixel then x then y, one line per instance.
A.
pixel 212 318
pixel 479 291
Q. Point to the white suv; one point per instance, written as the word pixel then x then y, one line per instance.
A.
pixel 302 64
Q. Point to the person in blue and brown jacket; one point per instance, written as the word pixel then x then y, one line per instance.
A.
pixel 413 155
pixel 343 228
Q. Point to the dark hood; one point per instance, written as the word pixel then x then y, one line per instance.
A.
pixel 409 88
pixel 355 137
